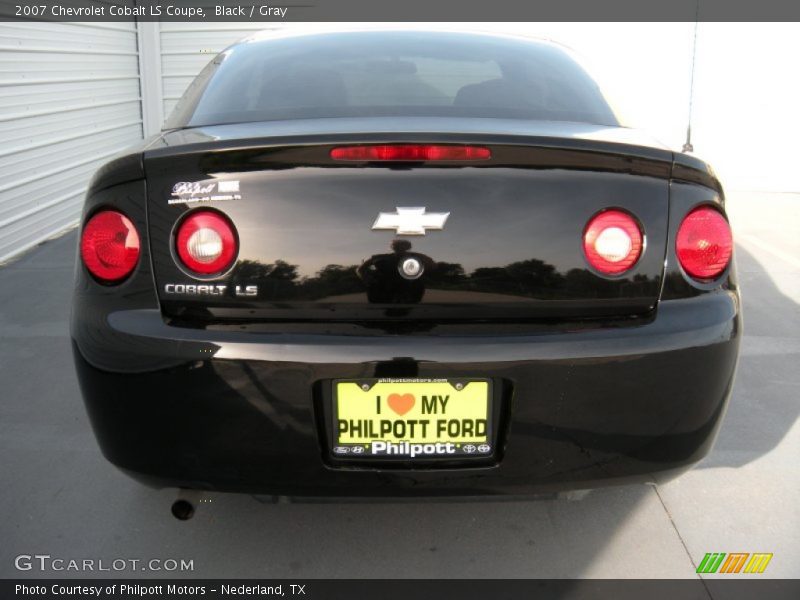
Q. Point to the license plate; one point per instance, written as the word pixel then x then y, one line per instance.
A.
pixel 412 418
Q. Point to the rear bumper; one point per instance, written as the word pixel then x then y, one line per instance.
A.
pixel 241 412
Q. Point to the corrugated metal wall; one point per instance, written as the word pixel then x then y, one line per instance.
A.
pixel 187 47
pixel 69 99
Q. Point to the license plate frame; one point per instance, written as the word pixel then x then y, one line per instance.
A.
pixel 464 440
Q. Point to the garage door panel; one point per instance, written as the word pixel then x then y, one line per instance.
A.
pixel 21 98
pixel 30 163
pixel 69 100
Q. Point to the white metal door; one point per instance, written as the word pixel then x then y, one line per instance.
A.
pixel 69 100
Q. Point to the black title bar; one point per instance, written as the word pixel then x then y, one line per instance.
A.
pixel 416 589
pixel 400 11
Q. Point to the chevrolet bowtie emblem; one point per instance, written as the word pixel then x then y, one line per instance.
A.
pixel 410 221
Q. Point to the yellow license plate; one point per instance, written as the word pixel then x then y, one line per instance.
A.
pixel 412 418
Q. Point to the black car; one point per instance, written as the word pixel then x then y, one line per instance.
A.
pixel 403 263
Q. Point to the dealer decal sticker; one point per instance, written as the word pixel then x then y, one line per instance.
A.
pixel 186 192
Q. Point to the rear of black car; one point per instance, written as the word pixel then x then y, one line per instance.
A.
pixel 439 267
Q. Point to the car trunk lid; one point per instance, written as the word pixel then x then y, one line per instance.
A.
pixel 510 247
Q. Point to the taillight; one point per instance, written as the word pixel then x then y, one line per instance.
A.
pixel 110 246
pixel 206 242
pixel 612 242
pixel 399 152
pixel 704 243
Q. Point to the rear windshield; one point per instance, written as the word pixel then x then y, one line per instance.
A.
pixel 391 74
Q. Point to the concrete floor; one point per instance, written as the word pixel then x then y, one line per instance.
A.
pixel 60 497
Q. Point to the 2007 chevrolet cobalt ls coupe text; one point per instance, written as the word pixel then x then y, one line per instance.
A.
pixel 403 264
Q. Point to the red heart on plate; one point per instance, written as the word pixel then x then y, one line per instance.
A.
pixel 401 403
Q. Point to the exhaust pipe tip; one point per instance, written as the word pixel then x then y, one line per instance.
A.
pixel 183 510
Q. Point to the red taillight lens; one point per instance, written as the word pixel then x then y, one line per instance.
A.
pixel 704 243
pixel 206 242
pixel 612 242
pixel 410 152
pixel 110 246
